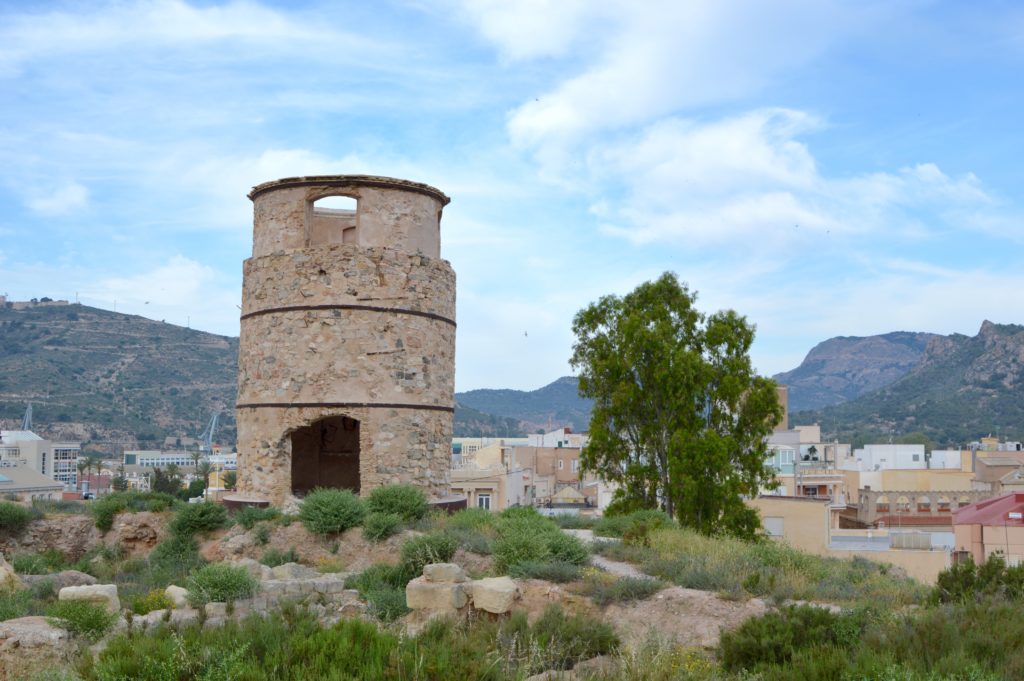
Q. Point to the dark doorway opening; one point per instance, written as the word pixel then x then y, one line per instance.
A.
pixel 326 454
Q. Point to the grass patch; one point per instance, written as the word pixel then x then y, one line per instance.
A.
pixel 219 583
pixel 14 518
pixel 108 506
pixel 82 618
pixel 275 557
pixel 604 588
pixel 249 516
pixel 548 570
pixel 42 563
pixel 193 519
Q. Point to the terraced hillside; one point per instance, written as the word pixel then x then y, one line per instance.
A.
pixel 101 375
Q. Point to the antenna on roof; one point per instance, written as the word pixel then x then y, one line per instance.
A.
pixel 26 423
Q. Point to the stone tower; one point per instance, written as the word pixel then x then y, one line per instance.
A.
pixel 347 351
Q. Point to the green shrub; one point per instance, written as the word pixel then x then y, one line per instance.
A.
pixel 966 581
pixel 775 637
pixel 82 618
pixel 477 541
pixel 387 604
pixel 106 507
pixel 567 640
pixel 13 517
pixel 568 549
pixel 638 522
pixel 409 502
pixel 156 599
pixel 551 571
pixel 329 511
pixel 219 583
pixel 193 519
pixel 42 563
pixel 249 516
pixel 472 519
pixel 379 526
pixel 177 551
pixel 624 589
pixel 275 557
pixel 437 547
pixel 262 534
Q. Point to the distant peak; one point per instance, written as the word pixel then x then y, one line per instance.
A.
pixel 987 328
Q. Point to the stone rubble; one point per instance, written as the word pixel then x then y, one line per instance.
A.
pixel 443 589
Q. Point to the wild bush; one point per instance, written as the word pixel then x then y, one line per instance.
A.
pixel 574 521
pixel 193 519
pixel 383 587
pixel 330 511
pixel 14 518
pixel 604 588
pixel 774 638
pixel 409 502
pixel 177 551
pixel 42 563
pixel 567 548
pixel 548 570
pixel 219 582
pixel 568 639
pixel 275 557
pixel 472 519
pixel 156 599
pixel 966 581
pixel 261 535
pixel 106 507
pixel 82 618
pixel 14 603
pixel 437 547
pixel 249 516
pixel 379 526
pixel 631 523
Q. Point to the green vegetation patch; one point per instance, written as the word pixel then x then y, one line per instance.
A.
pixel 193 519
pixel 409 502
pixel 14 518
pixel 604 589
pixel 82 618
pixel 219 583
pixel 330 511
pixel 106 507
pixel 379 526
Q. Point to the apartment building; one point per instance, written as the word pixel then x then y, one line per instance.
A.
pixel 55 460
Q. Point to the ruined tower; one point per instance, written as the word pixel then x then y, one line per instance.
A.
pixel 347 351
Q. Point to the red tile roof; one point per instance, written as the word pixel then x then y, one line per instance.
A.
pixel 992 511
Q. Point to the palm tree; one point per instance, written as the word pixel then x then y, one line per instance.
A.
pixel 82 464
pixel 203 471
pixel 196 455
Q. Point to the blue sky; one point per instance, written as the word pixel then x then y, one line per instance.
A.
pixel 824 168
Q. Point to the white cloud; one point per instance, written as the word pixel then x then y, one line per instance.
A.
pixel 531 28
pixel 65 200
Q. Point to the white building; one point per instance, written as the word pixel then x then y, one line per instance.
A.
pixel 56 460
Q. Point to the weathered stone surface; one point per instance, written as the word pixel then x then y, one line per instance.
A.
pixel 216 609
pixel 423 595
pixel 494 594
pixel 184 616
pixel 137 532
pixel 30 645
pixel 105 594
pixel 346 316
pixel 255 568
pixel 8 577
pixel 294 571
pixel 444 572
pixel 178 596
pixel 61 579
pixel 71 535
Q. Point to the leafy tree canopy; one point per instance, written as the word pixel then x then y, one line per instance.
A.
pixel 680 417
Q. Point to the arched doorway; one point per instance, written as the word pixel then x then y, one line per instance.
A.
pixel 326 454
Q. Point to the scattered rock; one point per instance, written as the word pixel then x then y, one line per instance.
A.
pixel 61 579
pixel 8 577
pixel 30 645
pixel 294 571
pixel 178 596
pixel 494 594
pixel 421 594
pixel 103 594
pixel 255 568
pixel 444 572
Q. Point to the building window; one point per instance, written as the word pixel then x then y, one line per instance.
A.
pixel 917 457
pixel 575 465
pixel 561 464
pixel 483 501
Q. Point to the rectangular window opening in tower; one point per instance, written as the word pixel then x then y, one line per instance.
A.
pixel 334 220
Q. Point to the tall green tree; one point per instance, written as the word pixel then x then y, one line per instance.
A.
pixel 679 417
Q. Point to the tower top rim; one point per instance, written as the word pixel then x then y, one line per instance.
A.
pixel 342 181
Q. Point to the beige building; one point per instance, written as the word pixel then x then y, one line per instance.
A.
pixel 347 345
pixel 55 460
pixel 991 526
pixel 489 478
pixel 24 484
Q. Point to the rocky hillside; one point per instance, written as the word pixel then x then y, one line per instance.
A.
pixel 104 376
pixel 961 389
pixel 553 406
pixel 844 368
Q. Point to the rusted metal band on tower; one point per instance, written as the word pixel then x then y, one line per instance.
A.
pixel 342 405
pixel 349 306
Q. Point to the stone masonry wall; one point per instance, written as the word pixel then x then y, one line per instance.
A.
pixel 364 330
